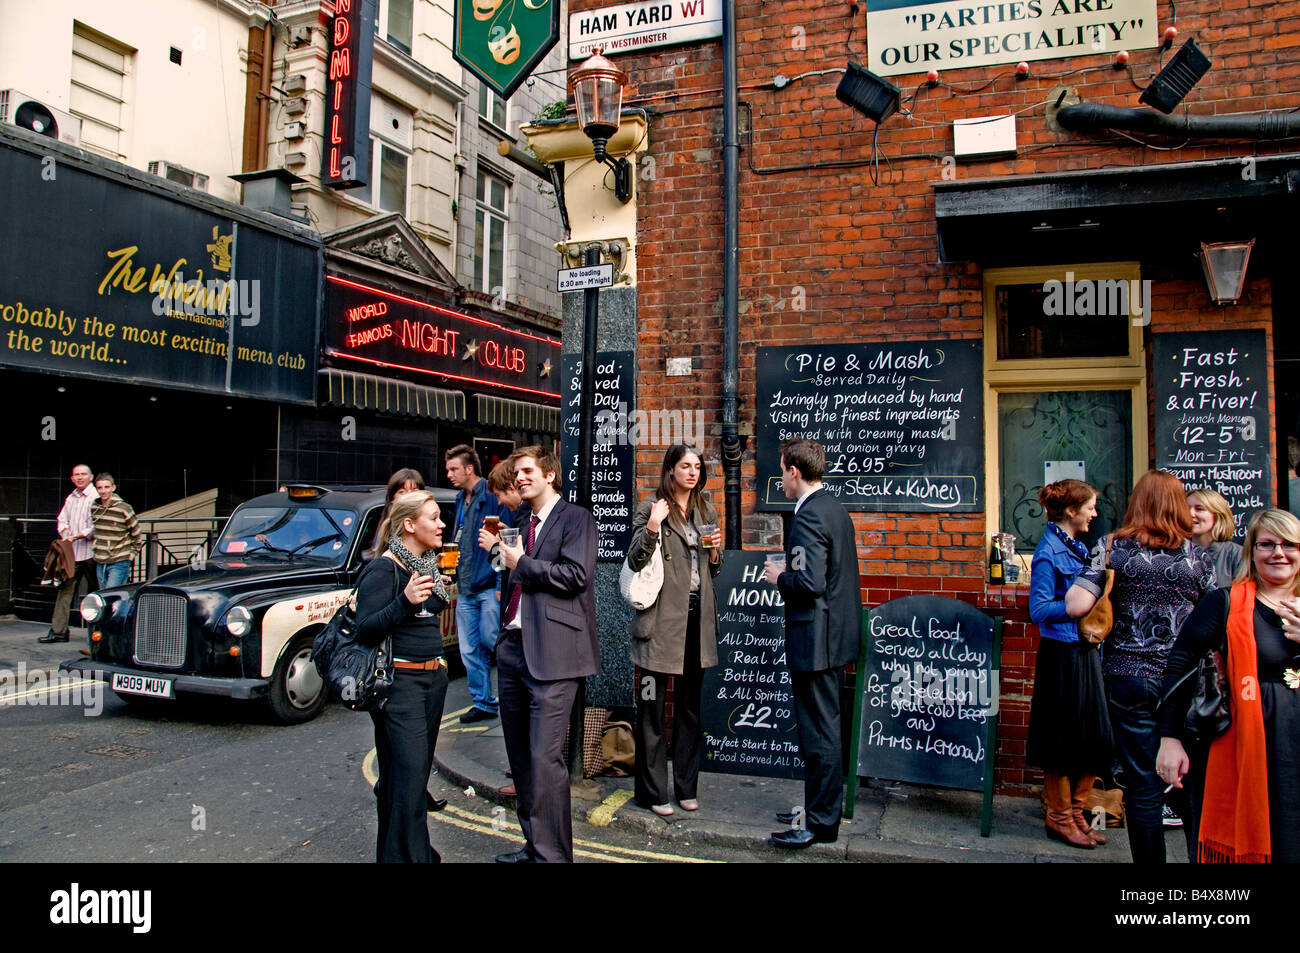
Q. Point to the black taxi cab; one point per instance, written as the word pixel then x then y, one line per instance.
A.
pixel 240 622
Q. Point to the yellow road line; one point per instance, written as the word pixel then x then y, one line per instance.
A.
pixel 594 845
pixel 471 728
pixel 468 820
pixel 57 687
pixel 449 717
pixel 603 813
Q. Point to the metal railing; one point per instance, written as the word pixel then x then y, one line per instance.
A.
pixel 168 543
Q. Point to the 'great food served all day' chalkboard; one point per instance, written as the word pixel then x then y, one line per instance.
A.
pixel 747 710
pixel 928 693
pixel 1211 419
pixel 902 424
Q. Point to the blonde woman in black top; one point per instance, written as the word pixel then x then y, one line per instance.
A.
pixel 393 590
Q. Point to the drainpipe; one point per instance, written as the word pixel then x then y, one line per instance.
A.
pixel 264 97
pixel 731 444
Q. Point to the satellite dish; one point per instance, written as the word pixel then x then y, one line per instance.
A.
pixel 32 115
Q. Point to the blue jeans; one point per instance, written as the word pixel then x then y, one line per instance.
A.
pixel 1137 741
pixel 112 575
pixel 478 623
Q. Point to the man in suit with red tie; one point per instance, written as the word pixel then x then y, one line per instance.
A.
pixel 823 613
pixel 547 645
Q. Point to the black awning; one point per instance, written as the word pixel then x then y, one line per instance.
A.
pixel 503 412
pixel 386 396
pixel 1137 212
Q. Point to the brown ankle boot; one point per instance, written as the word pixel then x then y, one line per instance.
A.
pixel 1060 818
pixel 1080 794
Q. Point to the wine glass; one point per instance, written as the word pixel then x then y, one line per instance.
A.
pixel 425 613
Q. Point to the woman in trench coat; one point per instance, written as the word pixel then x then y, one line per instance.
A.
pixel 678 635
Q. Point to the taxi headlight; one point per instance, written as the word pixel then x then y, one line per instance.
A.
pixel 239 622
pixel 92 607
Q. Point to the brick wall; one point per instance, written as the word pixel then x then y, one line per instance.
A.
pixel 830 254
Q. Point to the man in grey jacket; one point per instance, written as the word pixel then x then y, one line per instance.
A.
pixel 547 646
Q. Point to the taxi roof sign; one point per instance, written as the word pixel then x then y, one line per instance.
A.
pixel 502 41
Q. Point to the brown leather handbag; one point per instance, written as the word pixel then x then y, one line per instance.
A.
pixel 1096 625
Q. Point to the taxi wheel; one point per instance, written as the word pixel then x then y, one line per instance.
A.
pixel 297 691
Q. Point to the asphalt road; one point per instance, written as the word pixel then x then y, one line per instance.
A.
pixel 213 782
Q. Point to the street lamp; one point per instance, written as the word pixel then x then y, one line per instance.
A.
pixel 597 86
pixel 1225 269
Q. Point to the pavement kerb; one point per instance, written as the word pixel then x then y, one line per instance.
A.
pixel 859 848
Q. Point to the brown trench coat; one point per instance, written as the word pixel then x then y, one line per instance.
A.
pixel 659 633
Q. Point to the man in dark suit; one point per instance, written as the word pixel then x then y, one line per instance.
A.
pixel 547 645
pixel 823 613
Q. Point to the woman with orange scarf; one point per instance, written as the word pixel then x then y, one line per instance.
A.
pixel 1251 807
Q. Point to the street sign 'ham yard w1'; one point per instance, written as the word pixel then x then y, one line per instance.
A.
pixel 639 26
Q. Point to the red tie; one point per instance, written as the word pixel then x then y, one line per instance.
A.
pixel 517 590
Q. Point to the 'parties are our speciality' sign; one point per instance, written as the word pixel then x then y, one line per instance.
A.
pixel 375 326
pixel 640 26
pixel 347 95
pixel 113 280
pixel 912 36
pixel 902 423
pixel 502 41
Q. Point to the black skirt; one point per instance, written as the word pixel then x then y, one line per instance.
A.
pixel 1069 724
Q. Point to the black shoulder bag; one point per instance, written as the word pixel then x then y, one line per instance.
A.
pixel 359 675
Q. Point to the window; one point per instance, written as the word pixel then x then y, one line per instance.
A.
pixel 100 70
pixel 491 106
pixel 490 220
pixel 1065 380
pixel 394 21
pixel 389 156
pixel 388 168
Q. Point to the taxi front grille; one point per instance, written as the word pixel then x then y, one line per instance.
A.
pixel 160 628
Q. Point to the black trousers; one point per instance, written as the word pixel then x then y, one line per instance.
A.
pixel 817 712
pixel 534 718
pixel 651 745
pixel 406 732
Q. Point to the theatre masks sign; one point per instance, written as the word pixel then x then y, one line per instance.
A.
pixel 502 41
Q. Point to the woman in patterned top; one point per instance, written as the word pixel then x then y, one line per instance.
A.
pixel 1160 574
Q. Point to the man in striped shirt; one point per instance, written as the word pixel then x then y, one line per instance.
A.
pixel 117 534
pixel 75 524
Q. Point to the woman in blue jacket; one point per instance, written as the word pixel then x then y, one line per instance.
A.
pixel 1069 727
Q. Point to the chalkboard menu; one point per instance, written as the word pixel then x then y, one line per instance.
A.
pixel 929 693
pixel 902 423
pixel 613 464
pixel 747 712
pixel 1211 420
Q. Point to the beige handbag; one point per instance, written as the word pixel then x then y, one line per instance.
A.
pixel 1096 625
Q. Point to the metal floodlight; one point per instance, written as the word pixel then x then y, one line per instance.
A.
pixel 1225 269
pixel 1177 79
pixel 875 98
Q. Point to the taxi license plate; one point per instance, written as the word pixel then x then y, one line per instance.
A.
pixel 142 685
